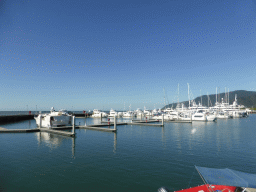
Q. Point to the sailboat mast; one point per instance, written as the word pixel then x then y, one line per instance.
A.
pixel 228 95
pixel 216 96
pixel 178 93
pixel 164 99
pixel 225 95
pixel 188 97
pixel 208 98
pixel 201 98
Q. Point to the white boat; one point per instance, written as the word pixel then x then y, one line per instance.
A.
pixel 97 113
pixel 147 112
pixel 167 116
pixel 112 113
pixel 139 113
pixel 54 119
pixel 199 115
pixel 128 114
pixel 184 116
pixel 223 115
pixel 211 116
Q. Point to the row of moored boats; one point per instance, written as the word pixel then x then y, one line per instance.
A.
pixel 194 112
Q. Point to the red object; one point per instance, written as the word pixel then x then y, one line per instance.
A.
pixel 210 188
pixel 108 122
pixel 83 111
pixel 29 112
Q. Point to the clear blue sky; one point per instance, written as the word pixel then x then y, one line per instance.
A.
pixel 86 54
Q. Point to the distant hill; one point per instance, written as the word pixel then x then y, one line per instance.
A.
pixel 246 98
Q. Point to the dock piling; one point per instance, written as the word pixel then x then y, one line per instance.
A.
pixel 73 127
pixel 40 121
pixel 114 122
pixel 162 119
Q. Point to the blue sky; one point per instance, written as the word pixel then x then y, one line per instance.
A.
pixel 86 54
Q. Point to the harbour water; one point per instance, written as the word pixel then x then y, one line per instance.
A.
pixel 136 158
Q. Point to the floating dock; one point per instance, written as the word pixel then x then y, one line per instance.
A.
pixel 104 126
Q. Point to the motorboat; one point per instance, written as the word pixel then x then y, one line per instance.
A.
pixel 97 113
pixel 112 113
pixel 139 113
pixel 221 180
pixel 211 116
pixel 184 116
pixel 147 112
pixel 199 115
pixel 128 114
pixel 120 114
pixel 54 119
pixel 223 115
pixel 166 116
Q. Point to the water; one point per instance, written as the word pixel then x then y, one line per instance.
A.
pixel 136 158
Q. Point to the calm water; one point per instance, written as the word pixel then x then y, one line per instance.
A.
pixel 136 158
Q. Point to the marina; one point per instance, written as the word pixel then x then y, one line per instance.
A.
pixel 137 157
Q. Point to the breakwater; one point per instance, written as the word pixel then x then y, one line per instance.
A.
pixel 15 118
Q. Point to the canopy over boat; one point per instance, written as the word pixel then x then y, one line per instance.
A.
pixel 227 177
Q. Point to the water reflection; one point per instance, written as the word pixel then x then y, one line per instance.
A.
pixel 115 142
pixel 54 141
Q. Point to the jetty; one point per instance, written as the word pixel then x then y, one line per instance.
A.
pixel 103 126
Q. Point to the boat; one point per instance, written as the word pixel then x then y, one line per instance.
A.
pixel 54 119
pixel 165 116
pixel 147 112
pixel 221 180
pixel 223 115
pixel 139 113
pixel 128 114
pixel 97 113
pixel 199 115
pixel 112 113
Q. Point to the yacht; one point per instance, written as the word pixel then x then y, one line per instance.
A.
pixel 112 113
pixel 199 115
pixel 97 113
pixel 139 112
pixel 147 112
pixel 128 114
pixel 54 119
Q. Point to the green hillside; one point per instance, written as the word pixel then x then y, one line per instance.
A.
pixel 246 98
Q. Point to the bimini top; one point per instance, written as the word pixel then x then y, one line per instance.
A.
pixel 227 177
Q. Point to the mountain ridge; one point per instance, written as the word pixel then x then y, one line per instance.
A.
pixel 246 98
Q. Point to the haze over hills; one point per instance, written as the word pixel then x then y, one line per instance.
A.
pixel 246 98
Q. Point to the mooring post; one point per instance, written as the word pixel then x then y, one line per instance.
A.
pixel 114 122
pixel 40 121
pixel 100 117
pixel 162 119
pixel 73 128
